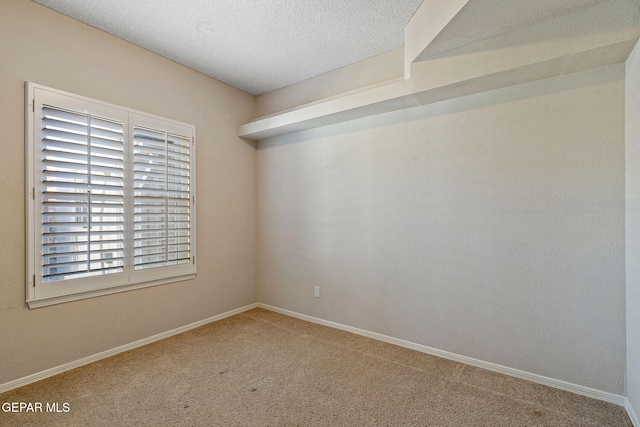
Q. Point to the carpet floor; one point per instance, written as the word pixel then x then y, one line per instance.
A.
pixel 261 368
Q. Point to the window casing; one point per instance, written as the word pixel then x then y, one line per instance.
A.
pixel 110 198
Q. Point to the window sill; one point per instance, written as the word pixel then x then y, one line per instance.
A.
pixel 60 299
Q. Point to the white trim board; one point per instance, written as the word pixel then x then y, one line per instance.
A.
pixel 632 414
pixel 108 353
pixel 540 379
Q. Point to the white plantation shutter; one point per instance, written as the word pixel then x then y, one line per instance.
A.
pixel 163 215
pixel 162 198
pixel 110 196
pixel 82 188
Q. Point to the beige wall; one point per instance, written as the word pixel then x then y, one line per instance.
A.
pixel 39 45
pixel 633 226
pixel 491 226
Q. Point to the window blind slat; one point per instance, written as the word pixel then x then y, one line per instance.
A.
pixel 53 126
pixel 71 178
pixel 99 199
pixel 59 141
pixel 149 175
pixel 149 241
pixel 61 114
pixel 178 164
pixel 144 147
pixel 79 236
pixel 108 137
pixel 69 248
pixel 77 258
pixel 60 156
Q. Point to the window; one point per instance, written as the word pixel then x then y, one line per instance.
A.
pixel 110 203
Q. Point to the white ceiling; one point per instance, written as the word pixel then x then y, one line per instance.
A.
pixel 255 45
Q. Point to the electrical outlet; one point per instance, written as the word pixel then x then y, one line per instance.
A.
pixel 316 291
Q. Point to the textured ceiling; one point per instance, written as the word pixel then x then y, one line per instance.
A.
pixel 255 45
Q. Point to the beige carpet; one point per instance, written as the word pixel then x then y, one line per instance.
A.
pixel 261 368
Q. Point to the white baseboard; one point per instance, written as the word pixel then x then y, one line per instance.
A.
pixel 108 353
pixel 540 379
pixel 632 414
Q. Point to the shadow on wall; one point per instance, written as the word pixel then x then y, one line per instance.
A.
pixel 476 101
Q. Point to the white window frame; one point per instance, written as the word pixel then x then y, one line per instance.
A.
pixel 39 293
